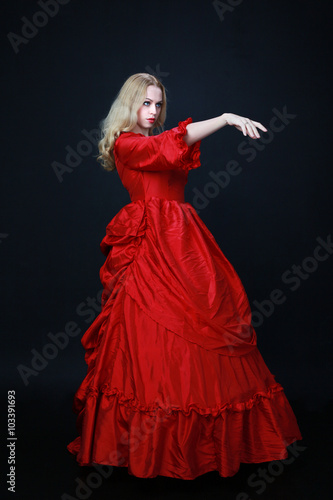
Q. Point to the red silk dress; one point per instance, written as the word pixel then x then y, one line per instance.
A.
pixel 175 384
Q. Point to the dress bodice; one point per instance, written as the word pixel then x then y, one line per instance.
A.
pixel 156 166
pixel 144 185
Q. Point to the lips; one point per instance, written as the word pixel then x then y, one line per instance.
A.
pixel 151 120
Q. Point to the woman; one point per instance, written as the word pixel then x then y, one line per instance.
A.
pixel 175 385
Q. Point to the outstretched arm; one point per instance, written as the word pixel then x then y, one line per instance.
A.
pixel 199 130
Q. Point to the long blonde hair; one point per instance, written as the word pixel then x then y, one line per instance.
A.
pixel 122 116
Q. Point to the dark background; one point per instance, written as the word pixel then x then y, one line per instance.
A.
pixel 254 58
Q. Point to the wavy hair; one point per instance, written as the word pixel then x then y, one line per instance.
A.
pixel 122 116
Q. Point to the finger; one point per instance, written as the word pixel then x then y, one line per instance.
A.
pixel 255 131
pixel 252 131
pixel 243 128
pixel 253 125
pixel 260 125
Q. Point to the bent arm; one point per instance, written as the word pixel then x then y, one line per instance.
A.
pixel 199 130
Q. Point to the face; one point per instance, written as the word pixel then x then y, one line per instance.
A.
pixel 149 111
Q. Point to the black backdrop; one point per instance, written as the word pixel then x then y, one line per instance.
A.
pixel 63 63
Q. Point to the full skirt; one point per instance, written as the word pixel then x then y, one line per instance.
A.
pixel 175 385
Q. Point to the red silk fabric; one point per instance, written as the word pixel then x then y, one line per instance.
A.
pixel 175 384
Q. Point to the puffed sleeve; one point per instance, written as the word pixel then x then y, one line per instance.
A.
pixel 165 151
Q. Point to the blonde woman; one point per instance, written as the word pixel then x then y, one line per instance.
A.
pixel 175 384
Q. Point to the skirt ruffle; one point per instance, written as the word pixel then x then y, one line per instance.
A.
pixel 183 444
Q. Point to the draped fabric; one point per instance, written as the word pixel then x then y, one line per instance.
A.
pixel 175 384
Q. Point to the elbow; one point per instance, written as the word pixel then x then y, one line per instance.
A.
pixel 189 139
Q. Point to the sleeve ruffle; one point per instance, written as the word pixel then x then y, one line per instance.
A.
pixel 189 155
pixel 165 151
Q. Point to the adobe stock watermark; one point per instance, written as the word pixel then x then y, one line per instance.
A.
pixel 94 480
pixel 248 148
pixel 293 277
pixel 222 8
pixel 49 351
pixel 267 475
pixel 57 342
pixel 133 438
pixel 30 28
pixel 75 155
pixel 157 72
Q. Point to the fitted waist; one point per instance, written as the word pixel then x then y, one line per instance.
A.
pixel 168 185
pixel 179 197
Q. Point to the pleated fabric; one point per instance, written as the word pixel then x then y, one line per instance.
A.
pixel 175 384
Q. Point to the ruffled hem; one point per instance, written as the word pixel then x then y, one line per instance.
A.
pixel 184 445
pixel 132 402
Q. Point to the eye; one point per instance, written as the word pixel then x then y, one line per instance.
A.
pixel 159 104
pixel 146 103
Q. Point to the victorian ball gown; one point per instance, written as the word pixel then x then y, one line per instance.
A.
pixel 175 384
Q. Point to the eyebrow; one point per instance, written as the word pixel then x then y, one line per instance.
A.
pixel 148 99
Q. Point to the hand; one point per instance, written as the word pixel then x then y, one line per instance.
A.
pixel 245 125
